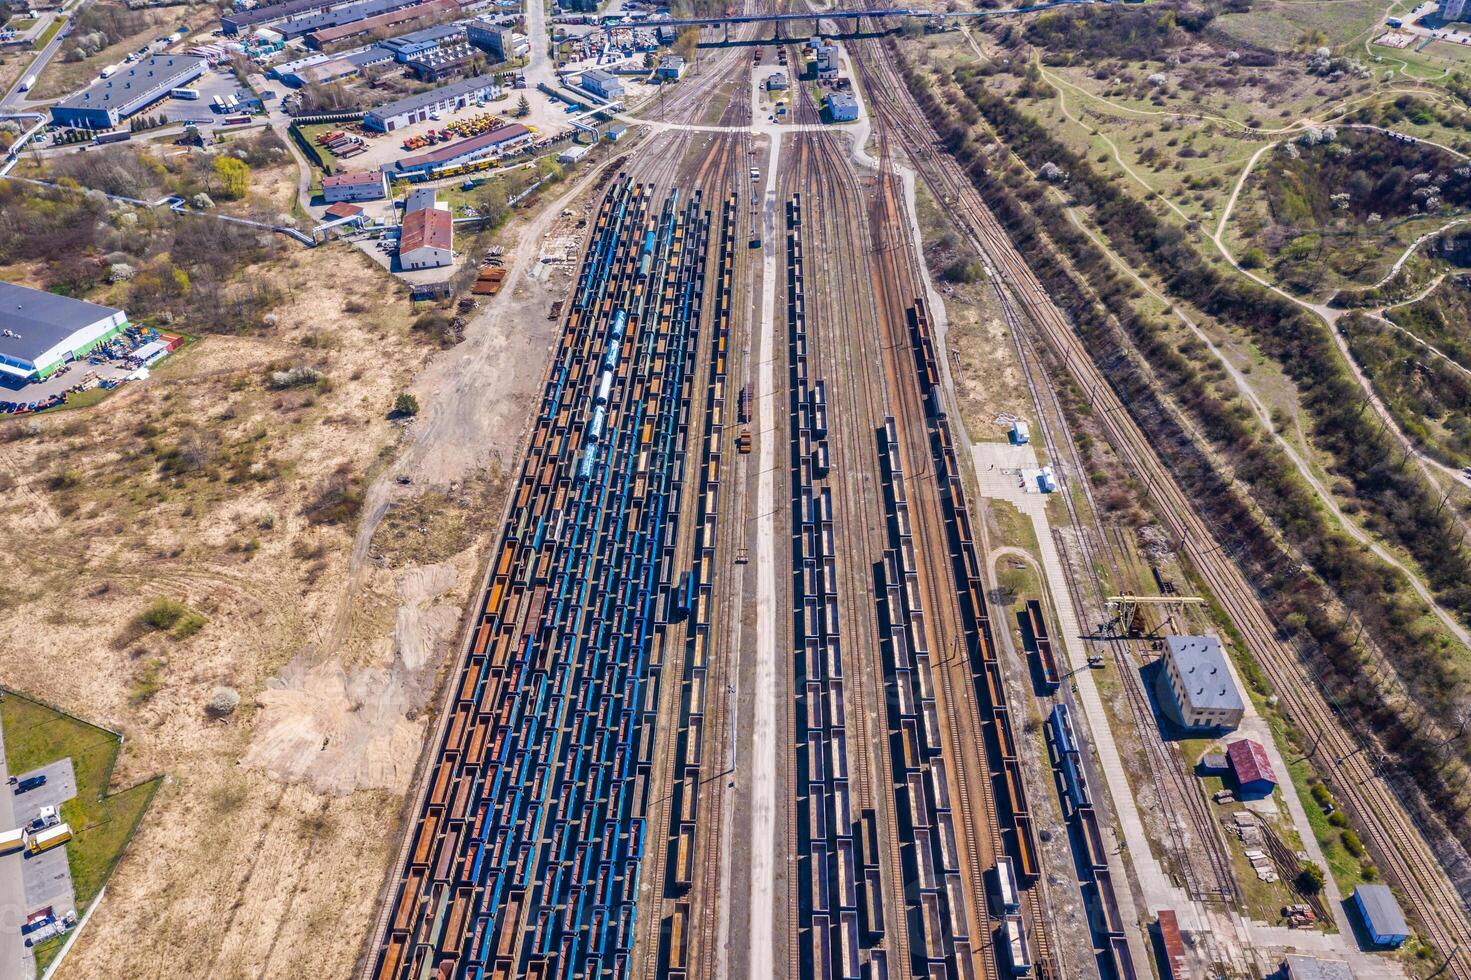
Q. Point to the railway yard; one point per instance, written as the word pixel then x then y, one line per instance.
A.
pixel 734 700
pixel 778 661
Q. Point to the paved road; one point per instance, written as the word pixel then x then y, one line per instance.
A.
pixel 15 98
pixel 15 959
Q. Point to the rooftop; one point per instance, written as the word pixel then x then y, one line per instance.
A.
pixel 438 33
pixel 464 86
pixel 157 72
pixel 1249 761
pixel 429 227
pixel 440 154
pixel 841 100
pixel 343 210
pixel 420 198
pixel 354 178
pixel 1382 911
pixel 1204 676
pixel 32 321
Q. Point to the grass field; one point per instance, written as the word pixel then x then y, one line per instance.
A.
pixel 102 823
pixel 1284 25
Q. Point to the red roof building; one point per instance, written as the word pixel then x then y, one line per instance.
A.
pixel 343 210
pixel 426 239
pixel 1251 766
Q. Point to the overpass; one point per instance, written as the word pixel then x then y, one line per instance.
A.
pixel 843 15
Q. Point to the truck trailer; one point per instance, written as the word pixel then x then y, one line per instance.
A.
pixel 50 837
pixel 12 841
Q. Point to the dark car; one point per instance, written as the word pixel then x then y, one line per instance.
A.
pixel 30 783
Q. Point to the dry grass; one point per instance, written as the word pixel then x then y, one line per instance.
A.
pixel 191 488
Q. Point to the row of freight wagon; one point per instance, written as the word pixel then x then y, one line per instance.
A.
pixel 1012 810
pixel 693 601
pixel 527 855
pixel 841 905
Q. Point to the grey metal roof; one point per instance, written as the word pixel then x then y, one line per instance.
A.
pixel 1204 676
pixel 438 33
pixel 1312 968
pixel 837 100
pixel 434 96
pixel 155 73
pixel 1382 911
pixel 420 198
pixel 347 14
pixel 32 321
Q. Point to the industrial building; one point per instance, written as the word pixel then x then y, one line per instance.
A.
pixel 344 14
pixel 615 132
pixel 323 36
pixel 40 331
pixel 441 63
pixel 1196 690
pixel 499 41
pixel 601 83
pixel 321 71
pixel 671 68
pixel 416 108
pixel 776 81
pixel 841 107
pixel 418 44
pixel 426 239
pixel 358 185
pixel 108 101
pixel 1384 923
pixel 1251 767
pixel 237 20
pixel 498 141
pixel 1451 10
pixel 420 198
pixel 1295 967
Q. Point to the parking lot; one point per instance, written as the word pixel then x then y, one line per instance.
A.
pixel 47 877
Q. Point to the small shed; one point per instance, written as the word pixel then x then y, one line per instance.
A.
pixel 1021 432
pixel 615 132
pixel 1214 764
pixel 342 210
pixel 572 154
pixel 1384 923
pixel 1251 767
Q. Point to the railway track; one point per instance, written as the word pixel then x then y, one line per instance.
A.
pixel 526 852
pixel 1387 824
pixel 856 404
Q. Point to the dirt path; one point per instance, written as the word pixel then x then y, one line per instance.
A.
pixel 346 713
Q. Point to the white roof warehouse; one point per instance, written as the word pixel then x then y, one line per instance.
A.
pixel 108 101
pixel 40 331
pixel 416 108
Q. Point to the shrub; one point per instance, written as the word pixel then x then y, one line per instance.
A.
pixel 1309 880
pixel 163 614
pixel 407 406
pixel 223 702
pixel 1351 843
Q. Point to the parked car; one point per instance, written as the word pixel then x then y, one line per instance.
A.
pixel 29 783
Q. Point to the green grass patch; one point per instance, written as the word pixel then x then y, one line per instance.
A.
pixel 82 399
pixel 102 823
pixel 49 33
pixel 47 951
pixel 172 617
